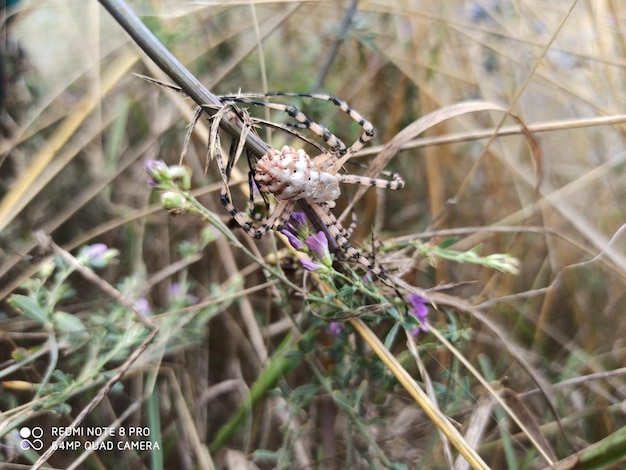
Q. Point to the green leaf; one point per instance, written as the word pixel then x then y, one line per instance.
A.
pixel 264 454
pixel 394 314
pixel 29 308
pixel 410 323
pixel 70 327
pixel 448 242
pixel 304 391
pixel 391 336
pixel 67 323
pixel 342 401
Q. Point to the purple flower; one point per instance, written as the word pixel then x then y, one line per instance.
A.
pixel 155 169
pixel 298 219
pixel 420 312
pixel 319 245
pixel 175 290
pixel 295 230
pixel 179 296
pixel 143 306
pixel 97 255
pixel 292 237
pixel 310 265
pixel 335 328
pixel 162 176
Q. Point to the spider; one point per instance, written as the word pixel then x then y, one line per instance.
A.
pixel 290 175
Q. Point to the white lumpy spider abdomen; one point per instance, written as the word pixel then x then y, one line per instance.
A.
pixel 290 174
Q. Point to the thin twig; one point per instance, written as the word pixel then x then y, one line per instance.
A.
pixel 334 48
pixel 104 391
pixel 189 84
pixel 166 61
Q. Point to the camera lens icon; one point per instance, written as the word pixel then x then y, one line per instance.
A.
pixel 31 438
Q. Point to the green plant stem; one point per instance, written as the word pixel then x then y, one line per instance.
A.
pixel 282 361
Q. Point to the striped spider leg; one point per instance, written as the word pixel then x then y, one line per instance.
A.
pixel 282 212
pixel 290 175
pixel 237 147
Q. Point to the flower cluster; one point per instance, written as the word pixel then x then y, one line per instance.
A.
pixel 299 237
pixel 170 180
pixel 162 176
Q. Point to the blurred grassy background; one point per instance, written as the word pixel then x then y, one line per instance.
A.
pixel 78 126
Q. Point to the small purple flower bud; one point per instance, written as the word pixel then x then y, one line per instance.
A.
pixel 163 176
pixel 335 328
pixel 178 296
pixel 174 290
pixel 293 239
pixel 96 251
pixel 310 265
pixel 143 306
pixel 297 219
pixel 97 255
pixel 419 311
pixel 157 172
pixel 318 243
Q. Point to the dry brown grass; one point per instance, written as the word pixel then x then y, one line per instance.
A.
pixel 79 126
